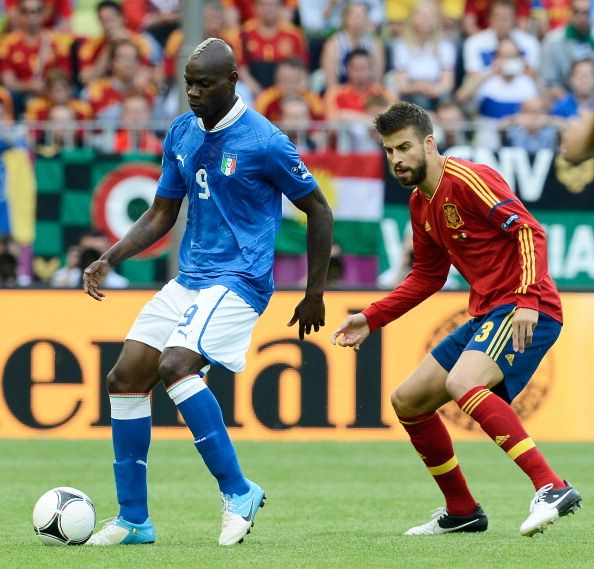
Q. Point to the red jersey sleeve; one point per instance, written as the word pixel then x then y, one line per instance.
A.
pixel 510 216
pixel 428 275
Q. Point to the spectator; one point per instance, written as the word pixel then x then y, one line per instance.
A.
pixel 291 79
pixel 423 59
pixel 355 34
pixel 267 40
pixel 450 126
pixel 532 128
pixel 499 92
pixel 57 14
pixel 92 244
pixel 58 91
pixel 27 53
pixel 60 131
pixel 245 10
pixel 577 142
pixel 136 134
pixel 294 121
pixel 549 15
pixel 347 104
pixel 477 16
pixel 128 77
pixel 214 27
pixel 94 53
pixel 480 49
pixel 581 94
pixel 563 46
pixel 158 19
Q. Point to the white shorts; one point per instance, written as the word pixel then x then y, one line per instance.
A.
pixel 214 322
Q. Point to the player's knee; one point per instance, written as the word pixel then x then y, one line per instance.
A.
pixel 118 382
pixel 402 403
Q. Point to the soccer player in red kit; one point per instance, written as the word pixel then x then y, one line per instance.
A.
pixel 465 214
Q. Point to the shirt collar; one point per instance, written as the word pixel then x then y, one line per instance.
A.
pixel 236 111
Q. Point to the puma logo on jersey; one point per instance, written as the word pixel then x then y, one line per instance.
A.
pixel 182 159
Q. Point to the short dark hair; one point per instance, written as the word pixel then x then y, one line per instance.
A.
pixel 109 4
pixel 401 115
pixel 357 52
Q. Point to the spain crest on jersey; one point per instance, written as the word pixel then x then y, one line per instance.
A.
pixel 229 163
pixel 453 218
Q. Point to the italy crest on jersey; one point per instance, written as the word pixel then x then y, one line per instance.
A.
pixel 229 163
pixel 453 218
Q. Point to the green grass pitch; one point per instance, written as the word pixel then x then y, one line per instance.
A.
pixel 330 505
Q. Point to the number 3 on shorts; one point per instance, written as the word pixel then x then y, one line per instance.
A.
pixel 485 331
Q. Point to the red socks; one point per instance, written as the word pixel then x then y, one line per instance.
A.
pixel 501 423
pixel 434 445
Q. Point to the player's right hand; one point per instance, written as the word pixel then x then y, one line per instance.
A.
pixel 93 276
pixel 352 332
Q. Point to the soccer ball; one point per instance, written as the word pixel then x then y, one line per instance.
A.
pixel 64 516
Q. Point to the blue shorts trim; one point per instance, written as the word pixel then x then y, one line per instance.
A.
pixel 492 334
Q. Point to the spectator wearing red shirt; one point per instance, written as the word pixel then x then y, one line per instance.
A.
pixel 27 54
pixel 156 17
pixel 135 134
pixel 245 9
pixel 267 40
pixel 347 104
pixel 58 91
pixel 93 54
pixel 291 79
pixel 57 14
pixel 128 77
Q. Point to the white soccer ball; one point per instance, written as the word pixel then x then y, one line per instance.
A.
pixel 64 516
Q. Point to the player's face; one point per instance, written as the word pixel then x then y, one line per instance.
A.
pixel 406 154
pixel 210 94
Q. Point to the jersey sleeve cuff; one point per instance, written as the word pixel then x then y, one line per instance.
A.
pixel 374 317
pixel 170 194
pixel 528 301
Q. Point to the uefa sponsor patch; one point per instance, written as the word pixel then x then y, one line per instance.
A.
pixel 229 163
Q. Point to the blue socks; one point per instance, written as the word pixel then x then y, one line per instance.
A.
pixel 131 433
pixel 202 414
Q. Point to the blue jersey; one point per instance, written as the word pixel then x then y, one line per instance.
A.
pixel 233 176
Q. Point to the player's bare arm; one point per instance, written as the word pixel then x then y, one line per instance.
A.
pixel 352 332
pixel 311 312
pixel 149 228
pixel 523 325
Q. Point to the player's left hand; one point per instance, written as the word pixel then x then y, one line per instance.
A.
pixel 523 325
pixel 310 312
pixel 93 276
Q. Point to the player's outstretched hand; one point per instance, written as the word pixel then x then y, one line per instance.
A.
pixel 93 276
pixel 352 332
pixel 523 325
pixel 310 312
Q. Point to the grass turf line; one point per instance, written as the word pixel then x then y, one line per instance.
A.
pixel 331 505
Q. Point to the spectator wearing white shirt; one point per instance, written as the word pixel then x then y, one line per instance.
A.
pixel 423 59
pixel 480 49
pixel 498 93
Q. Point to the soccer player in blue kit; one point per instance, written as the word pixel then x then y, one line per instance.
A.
pixel 233 165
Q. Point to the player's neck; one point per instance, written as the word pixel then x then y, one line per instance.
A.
pixel 211 122
pixel 429 185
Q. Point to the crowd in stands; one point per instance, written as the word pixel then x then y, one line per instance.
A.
pixel 516 70
pixel 498 60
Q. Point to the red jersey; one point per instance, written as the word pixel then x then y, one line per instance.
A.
pixel 107 92
pixel 91 49
pixel 38 109
pixel 347 97
pixel 288 41
pixel 477 224
pixel 55 10
pixel 27 60
pixel 269 102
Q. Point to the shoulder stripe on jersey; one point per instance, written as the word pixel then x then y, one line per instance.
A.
pixel 473 186
pixel 528 259
pixel 479 182
pixel 500 204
